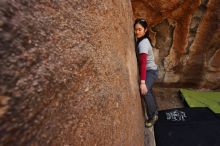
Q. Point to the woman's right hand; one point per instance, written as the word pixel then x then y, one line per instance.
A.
pixel 143 89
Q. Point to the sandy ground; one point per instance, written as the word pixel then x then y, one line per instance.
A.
pixel 168 98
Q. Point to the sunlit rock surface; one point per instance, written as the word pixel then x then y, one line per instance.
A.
pixel 187 36
pixel 68 74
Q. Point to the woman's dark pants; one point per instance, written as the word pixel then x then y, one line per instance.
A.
pixel 149 98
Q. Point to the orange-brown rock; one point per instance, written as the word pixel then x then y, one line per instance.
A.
pixel 186 33
pixel 68 74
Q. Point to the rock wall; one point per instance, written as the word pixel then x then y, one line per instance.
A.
pixel 68 74
pixel 186 38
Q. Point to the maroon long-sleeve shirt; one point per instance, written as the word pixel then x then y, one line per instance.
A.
pixel 142 65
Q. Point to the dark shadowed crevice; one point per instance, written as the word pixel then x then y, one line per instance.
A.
pixel 195 22
pixel 164 37
pixel 164 41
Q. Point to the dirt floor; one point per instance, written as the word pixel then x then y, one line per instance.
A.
pixel 167 98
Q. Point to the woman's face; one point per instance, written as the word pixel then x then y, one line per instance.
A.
pixel 139 30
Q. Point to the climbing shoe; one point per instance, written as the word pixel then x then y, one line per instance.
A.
pixel 150 122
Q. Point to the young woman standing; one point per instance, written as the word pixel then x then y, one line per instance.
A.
pixel 148 69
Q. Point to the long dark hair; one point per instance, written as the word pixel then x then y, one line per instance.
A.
pixel 144 24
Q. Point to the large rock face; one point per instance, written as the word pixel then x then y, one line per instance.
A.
pixel 186 36
pixel 68 74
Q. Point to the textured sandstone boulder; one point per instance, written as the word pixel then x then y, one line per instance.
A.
pixel 186 35
pixel 68 74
